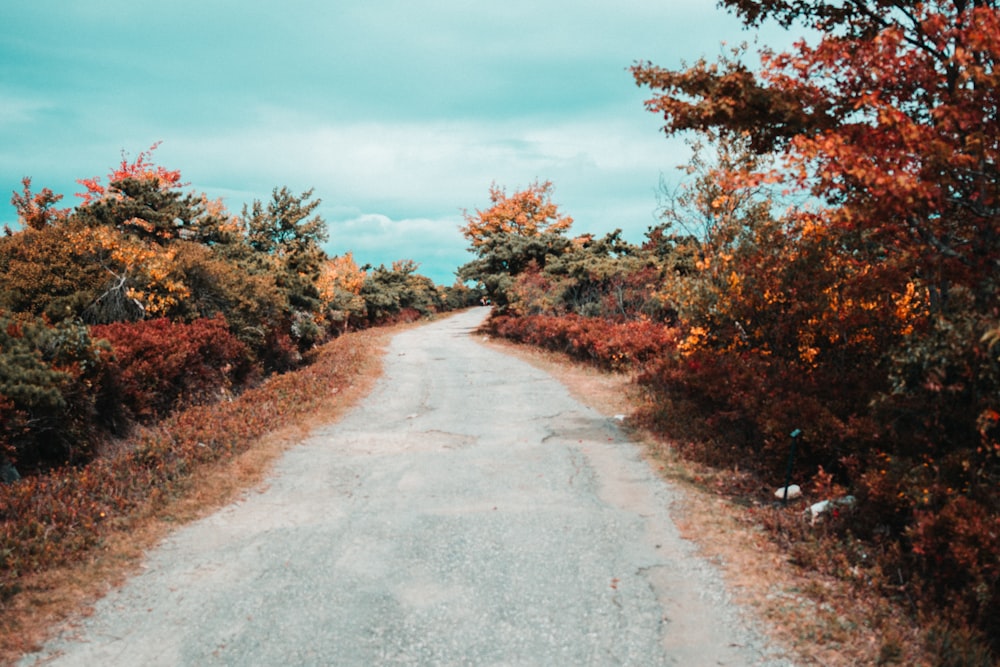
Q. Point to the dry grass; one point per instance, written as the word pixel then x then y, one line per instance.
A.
pixel 49 600
pixel 817 620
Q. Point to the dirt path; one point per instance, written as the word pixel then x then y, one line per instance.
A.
pixel 469 512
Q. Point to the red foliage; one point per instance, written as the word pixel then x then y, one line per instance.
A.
pixel 37 211
pixel 608 344
pixel 162 365
pixel 12 424
pixel 956 553
pixel 141 168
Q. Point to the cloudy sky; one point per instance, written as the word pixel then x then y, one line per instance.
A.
pixel 400 113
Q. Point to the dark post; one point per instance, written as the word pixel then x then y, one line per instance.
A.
pixel 791 460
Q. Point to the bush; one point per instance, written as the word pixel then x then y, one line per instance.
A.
pixel 161 365
pixel 52 378
pixel 604 343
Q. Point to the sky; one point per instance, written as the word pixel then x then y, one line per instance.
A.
pixel 400 114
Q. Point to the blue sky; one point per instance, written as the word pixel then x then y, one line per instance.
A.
pixel 400 113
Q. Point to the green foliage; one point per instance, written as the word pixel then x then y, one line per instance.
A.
pixel 144 209
pixel 284 233
pixel 399 293
pixel 504 255
pixel 51 381
pixel 530 267
pixel 518 233
pixel 605 277
pixel 284 241
pixel 460 296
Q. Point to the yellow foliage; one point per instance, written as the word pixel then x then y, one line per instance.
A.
pixel 694 340
pixel 911 306
pixel 149 269
pixel 340 273
pixel 529 212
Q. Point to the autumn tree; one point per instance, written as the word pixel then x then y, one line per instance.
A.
pixel 142 200
pixel 886 118
pixel 46 271
pixel 130 227
pixel 252 304
pixel 36 211
pixel 529 212
pixel 284 236
pixel 517 232
pixel 340 285
pixel 894 105
pixel 42 268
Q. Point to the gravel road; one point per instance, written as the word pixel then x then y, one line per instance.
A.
pixel 468 512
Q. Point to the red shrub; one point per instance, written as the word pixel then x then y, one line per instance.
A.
pixel 162 365
pixel 956 554
pixel 608 344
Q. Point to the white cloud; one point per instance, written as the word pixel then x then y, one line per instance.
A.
pixel 436 244
pixel 441 165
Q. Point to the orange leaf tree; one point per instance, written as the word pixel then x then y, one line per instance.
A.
pixel 517 232
pixel 887 119
pixel 529 212
pixel 37 211
pixel 340 283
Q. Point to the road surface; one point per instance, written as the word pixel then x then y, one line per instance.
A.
pixel 468 512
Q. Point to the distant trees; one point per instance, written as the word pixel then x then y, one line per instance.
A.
pixel 528 265
pixel 516 234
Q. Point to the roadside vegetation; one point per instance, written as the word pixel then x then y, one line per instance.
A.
pixel 829 268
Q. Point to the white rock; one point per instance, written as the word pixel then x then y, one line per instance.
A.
pixel 819 509
pixel 816 509
pixel 793 492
